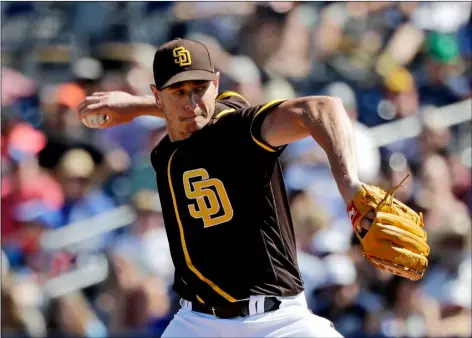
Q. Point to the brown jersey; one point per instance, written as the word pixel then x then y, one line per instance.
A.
pixel 225 209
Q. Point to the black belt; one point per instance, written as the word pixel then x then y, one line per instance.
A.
pixel 233 310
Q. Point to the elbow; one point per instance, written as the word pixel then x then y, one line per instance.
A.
pixel 322 105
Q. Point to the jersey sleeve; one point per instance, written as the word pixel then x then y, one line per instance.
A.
pixel 233 100
pixel 253 117
pixel 246 121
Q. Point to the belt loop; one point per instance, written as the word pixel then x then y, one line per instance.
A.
pixel 252 306
pixel 213 310
pixel 260 304
pixel 186 304
pixel 256 305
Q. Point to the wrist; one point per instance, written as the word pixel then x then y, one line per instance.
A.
pixel 139 106
pixel 146 105
pixel 348 189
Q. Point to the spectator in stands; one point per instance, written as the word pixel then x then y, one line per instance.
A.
pixel 142 173
pixel 72 314
pixel 408 313
pixel 444 80
pixel 452 246
pixel 61 120
pixel 308 220
pixel 437 196
pixel 11 316
pixel 337 297
pixel 146 242
pixel 455 304
pixel 147 307
pixel 82 197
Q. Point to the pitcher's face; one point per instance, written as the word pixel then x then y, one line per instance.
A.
pixel 188 106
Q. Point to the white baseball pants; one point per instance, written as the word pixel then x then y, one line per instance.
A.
pixel 292 319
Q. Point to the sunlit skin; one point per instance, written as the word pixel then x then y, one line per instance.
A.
pixel 188 106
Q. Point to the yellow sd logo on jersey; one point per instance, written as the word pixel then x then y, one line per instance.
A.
pixel 210 196
pixel 182 56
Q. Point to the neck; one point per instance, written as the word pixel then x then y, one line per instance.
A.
pixel 176 136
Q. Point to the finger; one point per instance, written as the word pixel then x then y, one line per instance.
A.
pixel 81 106
pixel 92 99
pixel 99 93
pixel 370 215
pixel 365 223
pixel 363 227
pixel 87 102
pixel 93 109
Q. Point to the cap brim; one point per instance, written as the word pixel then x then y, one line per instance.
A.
pixel 190 75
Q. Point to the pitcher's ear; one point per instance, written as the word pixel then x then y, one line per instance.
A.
pixel 157 95
pixel 216 82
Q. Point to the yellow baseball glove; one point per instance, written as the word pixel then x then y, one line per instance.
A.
pixel 395 241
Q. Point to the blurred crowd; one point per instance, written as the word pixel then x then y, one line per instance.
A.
pixel 84 251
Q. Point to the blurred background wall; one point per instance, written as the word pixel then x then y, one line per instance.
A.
pixel 84 252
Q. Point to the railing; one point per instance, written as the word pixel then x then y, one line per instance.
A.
pixel 411 126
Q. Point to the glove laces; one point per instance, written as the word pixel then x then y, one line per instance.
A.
pixel 388 198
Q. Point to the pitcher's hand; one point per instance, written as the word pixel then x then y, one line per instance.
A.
pixel 108 109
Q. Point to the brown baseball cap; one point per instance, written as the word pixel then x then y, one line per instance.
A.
pixel 182 60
